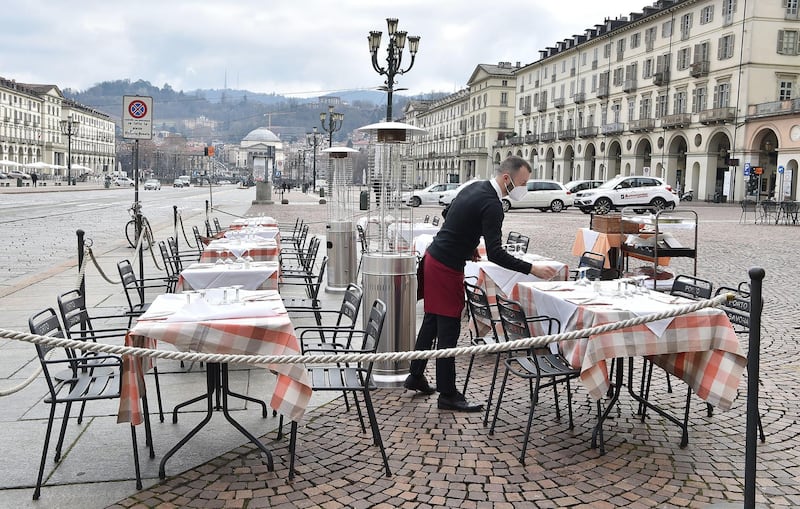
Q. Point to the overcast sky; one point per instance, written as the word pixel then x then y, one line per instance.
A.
pixel 299 47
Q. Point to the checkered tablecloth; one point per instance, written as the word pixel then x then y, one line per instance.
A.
pixel 701 348
pixel 253 221
pixel 271 333
pixel 265 250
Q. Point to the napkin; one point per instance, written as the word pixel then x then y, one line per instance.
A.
pixel 201 310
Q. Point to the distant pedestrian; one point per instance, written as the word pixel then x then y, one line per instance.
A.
pixel 34 178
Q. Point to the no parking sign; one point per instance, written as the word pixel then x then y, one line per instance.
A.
pixel 137 117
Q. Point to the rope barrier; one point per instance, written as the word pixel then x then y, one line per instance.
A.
pixel 99 268
pixel 332 358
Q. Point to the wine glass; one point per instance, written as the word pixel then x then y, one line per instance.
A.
pixel 220 255
pixel 228 260
pixel 582 279
pixel 236 296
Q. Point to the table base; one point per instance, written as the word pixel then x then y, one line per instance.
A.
pixel 597 433
pixel 216 383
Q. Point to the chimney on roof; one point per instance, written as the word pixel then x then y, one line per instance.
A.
pixel 518 64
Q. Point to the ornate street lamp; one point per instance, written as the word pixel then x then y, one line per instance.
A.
pixel 334 119
pixel 69 128
pixel 394 57
pixel 312 139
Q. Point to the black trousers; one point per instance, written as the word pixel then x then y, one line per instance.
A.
pixel 447 329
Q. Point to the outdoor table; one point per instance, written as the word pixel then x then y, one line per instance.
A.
pixel 262 250
pixel 252 276
pixel 254 233
pixel 701 347
pixel 257 325
pixel 252 221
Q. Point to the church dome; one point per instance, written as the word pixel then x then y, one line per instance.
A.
pixel 262 134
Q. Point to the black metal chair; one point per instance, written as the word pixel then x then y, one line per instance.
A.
pixel 593 263
pixel 480 312
pixel 92 377
pixel 134 290
pixel 769 211
pixel 338 331
pixel 427 218
pixel 77 323
pixel 540 363
pixel 351 377
pixel 748 206
pixel 201 244
pixel 311 287
pixel 217 227
pixel 170 267
pixel 435 221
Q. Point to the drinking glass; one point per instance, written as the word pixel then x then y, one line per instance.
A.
pixel 220 255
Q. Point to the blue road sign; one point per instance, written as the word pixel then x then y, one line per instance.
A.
pixel 746 169
pixel 780 169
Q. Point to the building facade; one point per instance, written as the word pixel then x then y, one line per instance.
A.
pixel 31 137
pixel 691 91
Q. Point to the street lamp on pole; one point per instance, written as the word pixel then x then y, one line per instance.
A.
pixel 334 119
pixel 394 57
pixel 312 139
pixel 69 128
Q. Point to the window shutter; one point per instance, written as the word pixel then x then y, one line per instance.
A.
pixel 721 48
pixel 780 40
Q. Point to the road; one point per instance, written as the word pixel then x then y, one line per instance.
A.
pixel 39 227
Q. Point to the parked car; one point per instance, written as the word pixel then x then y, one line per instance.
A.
pixel 179 183
pixel 124 181
pixel 152 184
pixel 14 174
pixel 631 191
pixel 428 195
pixel 543 195
pixel 446 197
pixel 575 186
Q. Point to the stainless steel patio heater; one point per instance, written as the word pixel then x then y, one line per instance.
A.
pixel 341 238
pixel 389 265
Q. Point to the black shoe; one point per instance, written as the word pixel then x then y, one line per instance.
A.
pixel 419 384
pixel 458 403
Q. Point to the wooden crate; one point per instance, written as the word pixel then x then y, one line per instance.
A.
pixel 612 223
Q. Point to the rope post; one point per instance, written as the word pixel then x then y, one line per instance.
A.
pixel 753 359
pixel 175 226
pixel 140 236
pixel 81 246
pixel 208 217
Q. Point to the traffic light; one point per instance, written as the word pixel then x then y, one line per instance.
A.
pixel 208 151
pixel 752 184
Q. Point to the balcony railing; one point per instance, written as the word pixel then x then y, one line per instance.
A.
pixel 476 151
pixel 526 110
pixel 547 137
pixel 588 132
pixel 531 138
pixel 661 78
pixel 602 91
pixel 719 115
pixel 629 85
pixel 613 128
pixel 676 120
pixel 699 69
pixel 541 106
pixel 642 125
pixel 579 97
pixel 566 134
pixel 594 64
pixel 517 140
pixel 559 102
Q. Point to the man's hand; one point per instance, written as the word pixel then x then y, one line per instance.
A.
pixel 544 272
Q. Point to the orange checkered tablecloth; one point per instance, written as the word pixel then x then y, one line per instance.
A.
pixel 255 276
pixel 701 348
pixel 271 333
pixel 260 251
pixel 253 221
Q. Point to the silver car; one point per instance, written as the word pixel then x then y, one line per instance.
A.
pixel 543 195
pixel 429 195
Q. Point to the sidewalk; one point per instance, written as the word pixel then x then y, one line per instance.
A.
pixel 438 458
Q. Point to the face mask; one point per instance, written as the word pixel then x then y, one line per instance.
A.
pixel 516 193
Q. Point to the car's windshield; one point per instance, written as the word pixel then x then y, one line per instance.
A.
pixel 611 184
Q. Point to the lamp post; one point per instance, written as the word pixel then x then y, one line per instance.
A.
pixel 312 139
pixel 69 128
pixel 394 57
pixel 334 119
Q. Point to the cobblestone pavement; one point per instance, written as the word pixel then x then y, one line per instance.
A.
pixel 446 459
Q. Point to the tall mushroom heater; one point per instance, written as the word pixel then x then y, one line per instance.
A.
pixel 341 236
pixel 389 266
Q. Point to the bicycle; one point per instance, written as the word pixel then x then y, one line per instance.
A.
pixel 130 228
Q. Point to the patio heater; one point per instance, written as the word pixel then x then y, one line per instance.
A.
pixel 341 236
pixel 389 265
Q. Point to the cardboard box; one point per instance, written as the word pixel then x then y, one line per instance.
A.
pixel 612 223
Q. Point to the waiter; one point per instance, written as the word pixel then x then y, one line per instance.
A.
pixel 476 211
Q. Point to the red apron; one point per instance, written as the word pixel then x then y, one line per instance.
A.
pixel 443 290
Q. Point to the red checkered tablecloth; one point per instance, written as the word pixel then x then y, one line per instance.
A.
pixel 262 251
pixel 269 335
pixel 701 348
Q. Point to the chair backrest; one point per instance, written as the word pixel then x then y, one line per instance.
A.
pixel 748 206
pixel 435 221
pixel 520 239
pixel 479 308
pixel 691 287
pixel 46 323
pixel 594 262
pixel 373 329
pixel 427 218
pixel 362 238
pixel 738 309
pixel 315 287
pixel 75 316
pixel 516 325
pixel 217 226
pixel 168 258
pixel 308 259
pixel 209 231
pixel 351 303
pixel 130 284
pixel 198 238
